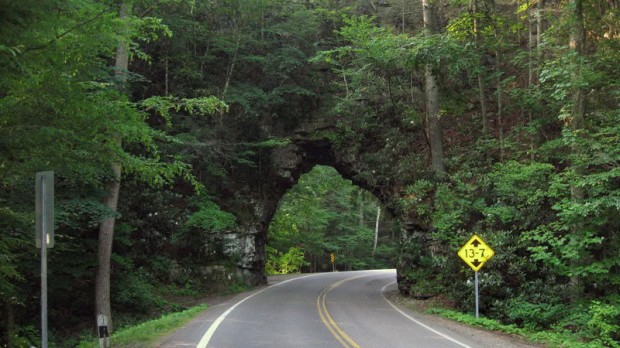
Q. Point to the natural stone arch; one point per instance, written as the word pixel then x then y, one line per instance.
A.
pixel 256 194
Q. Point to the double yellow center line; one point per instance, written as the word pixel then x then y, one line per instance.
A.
pixel 327 319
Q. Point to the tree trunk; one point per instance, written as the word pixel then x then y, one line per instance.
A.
pixel 106 237
pixel 106 228
pixel 500 109
pixel 483 107
pixel 166 77
pixel 433 123
pixel 374 247
pixel 576 123
pixel 481 86
pixel 577 44
pixel 402 18
pixel 360 208
pixel 9 322
pixel 434 132
pixel 346 84
pixel 231 65
pixel 530 75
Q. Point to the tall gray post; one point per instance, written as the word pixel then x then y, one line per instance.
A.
pixel 44 236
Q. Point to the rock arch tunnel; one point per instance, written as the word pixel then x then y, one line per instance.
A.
pixel 257 193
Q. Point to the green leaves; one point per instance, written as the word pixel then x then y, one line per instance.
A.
pixel 603 324
pixel 10 240
pixel 203 106
pixel 290 262
pixel 443 53
pixel 522 184
pixel 369 46
pixel 211 218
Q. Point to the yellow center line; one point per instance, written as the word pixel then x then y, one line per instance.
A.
pixel 327 319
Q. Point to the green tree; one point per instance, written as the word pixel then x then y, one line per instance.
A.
pixel 60 111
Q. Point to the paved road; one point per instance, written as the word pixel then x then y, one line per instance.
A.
pixel 342 309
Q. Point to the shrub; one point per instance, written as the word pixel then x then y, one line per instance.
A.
pixel 604 323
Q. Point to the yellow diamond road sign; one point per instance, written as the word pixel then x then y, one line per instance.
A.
pixel 476 252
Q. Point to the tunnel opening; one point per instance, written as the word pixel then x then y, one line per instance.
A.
pixel 326 223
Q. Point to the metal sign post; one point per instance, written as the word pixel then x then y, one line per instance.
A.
pixel 477 298
pixel 44 236
pixel 476 253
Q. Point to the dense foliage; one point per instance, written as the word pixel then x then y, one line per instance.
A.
pixel 530 112
pixel 529 101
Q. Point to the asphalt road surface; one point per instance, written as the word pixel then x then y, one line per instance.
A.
pixel 341 309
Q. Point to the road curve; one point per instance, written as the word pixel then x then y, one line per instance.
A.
pixel 341 309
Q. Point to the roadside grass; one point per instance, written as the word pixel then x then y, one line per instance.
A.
pixel 564 339
pixel 147 334
pixel 557 337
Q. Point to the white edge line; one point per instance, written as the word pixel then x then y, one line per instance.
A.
pixel 417 321
pixel 204 341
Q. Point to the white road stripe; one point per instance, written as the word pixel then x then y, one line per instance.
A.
pixel 207 336
pixel 417 321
